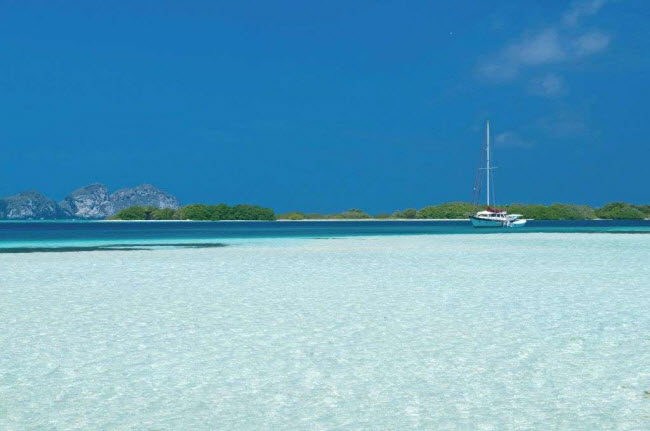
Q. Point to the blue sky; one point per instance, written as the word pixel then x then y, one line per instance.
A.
pixel 323 106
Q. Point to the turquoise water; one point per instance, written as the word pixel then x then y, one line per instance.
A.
pixel 535 331
pixel 72 236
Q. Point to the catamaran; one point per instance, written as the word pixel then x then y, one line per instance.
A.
pixel 493 217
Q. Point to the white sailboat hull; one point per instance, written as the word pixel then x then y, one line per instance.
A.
pixel 481 222
pixel 490 222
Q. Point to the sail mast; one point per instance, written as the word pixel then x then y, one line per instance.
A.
pixel 487 168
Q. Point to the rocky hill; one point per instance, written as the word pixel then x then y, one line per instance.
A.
pixel 90 202
pixel 29 205
pixel 143 195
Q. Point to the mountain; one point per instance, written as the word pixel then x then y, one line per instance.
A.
pixel 90 202
pixel 30 205
pixel 143 195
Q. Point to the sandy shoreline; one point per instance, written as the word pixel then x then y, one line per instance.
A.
pixel 274 333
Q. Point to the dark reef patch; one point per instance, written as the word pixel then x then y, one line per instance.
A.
pixel 112 247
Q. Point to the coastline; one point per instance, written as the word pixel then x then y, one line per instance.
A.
pixel 280 220
pixel 229 221
pixel 378 219
pixel 286 220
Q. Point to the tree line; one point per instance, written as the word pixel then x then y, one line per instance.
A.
pixel 449 210
pixel 197 212
pixel 461 210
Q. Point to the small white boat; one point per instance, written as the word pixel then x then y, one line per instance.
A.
pixel 494 217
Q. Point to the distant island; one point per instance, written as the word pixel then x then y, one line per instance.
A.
pixel 450 211
pixel 87 203
pixel 146 202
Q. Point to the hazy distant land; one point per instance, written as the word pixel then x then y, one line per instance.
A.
pixel 146 202
pixel 86 203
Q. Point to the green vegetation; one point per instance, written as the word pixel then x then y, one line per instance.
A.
pixel 352 214
pixel 197 212
pixel 295 215
pixel 449 210
pixel 553 211
pixel 349 214
pixel 461 210
pixel 556 211
pixel 407 213
pixel 622 210
pixel 145 213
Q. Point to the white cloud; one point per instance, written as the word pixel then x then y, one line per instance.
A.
pixel 553 45
pixel 580 9
pixel 512 139
pixel 545 47
pixel 549 85
pixel 542 48
pixel 590 43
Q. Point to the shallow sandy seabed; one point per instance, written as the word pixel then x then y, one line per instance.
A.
pixel 454 332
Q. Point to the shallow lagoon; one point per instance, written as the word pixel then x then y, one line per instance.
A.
pixel 494 332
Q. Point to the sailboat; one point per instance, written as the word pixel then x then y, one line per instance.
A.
pixel 493 217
